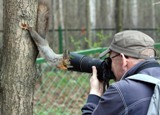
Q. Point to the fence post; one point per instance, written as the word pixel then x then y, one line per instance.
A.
pixel 60 40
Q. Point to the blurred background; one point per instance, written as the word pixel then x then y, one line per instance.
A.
pixel 82 26
pixel 84 22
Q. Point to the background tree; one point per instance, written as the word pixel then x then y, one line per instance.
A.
pixel 18 60
pixel 118 16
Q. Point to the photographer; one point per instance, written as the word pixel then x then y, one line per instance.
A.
pixel 131 52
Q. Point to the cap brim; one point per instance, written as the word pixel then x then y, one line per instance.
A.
pixel 104 53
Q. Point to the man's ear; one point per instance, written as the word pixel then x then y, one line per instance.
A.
pixel 124 62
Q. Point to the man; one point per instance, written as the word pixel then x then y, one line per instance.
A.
pixel 131 52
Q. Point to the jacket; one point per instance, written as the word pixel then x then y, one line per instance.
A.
pixel 125 97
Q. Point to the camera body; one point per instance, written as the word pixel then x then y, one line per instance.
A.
pixel 82 63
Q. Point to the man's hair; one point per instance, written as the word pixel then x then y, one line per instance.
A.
pixel 150 53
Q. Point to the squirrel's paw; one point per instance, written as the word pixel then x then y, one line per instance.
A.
pixel 25 26
pixel 65 62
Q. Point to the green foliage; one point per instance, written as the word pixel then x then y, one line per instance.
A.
pixel 100 38
pixel 76 43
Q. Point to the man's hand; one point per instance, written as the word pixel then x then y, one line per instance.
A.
pixel 96 87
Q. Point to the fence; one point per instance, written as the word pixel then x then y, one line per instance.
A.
pixel 59 92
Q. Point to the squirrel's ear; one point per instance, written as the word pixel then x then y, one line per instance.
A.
pixel 66 54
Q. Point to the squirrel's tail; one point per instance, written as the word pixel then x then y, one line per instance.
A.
pixel 60 61
pixel 42 18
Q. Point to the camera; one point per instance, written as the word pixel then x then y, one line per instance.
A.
pixel 82 63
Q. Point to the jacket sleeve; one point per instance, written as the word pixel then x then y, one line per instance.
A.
pixel 110 103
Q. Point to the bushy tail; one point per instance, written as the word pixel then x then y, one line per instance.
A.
pixel 42 18
pixel 60 61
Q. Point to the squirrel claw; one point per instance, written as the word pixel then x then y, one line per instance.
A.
pixel 62 67
pixel 65 64
pixel 24 26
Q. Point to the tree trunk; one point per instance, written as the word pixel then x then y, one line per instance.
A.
pixel 118 15
pixel 88 23
pixel 18 60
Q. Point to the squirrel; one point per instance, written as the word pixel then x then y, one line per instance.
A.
pixel 56 60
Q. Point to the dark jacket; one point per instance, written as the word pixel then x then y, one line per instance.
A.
pixel 125 97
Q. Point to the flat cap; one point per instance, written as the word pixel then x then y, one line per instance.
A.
pixel 130 43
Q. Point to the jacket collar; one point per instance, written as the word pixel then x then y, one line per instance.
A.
pixel 140 66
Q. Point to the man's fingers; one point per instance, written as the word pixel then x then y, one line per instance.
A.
pixel 95 84
pixel 94 70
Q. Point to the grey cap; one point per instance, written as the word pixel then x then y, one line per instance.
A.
pixel 130 43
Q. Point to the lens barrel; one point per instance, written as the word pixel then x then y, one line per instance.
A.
pixel 83 63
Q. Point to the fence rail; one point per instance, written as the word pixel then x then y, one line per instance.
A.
pixel 89 51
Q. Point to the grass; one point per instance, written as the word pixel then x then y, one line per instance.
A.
pixel 53 111
pixel 60 92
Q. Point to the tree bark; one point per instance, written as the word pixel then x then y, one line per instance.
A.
pixel 18 60
pixel 118 15
pixel 88 23
pixel 88 20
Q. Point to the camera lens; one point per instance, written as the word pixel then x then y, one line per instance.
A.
pixel 81 63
